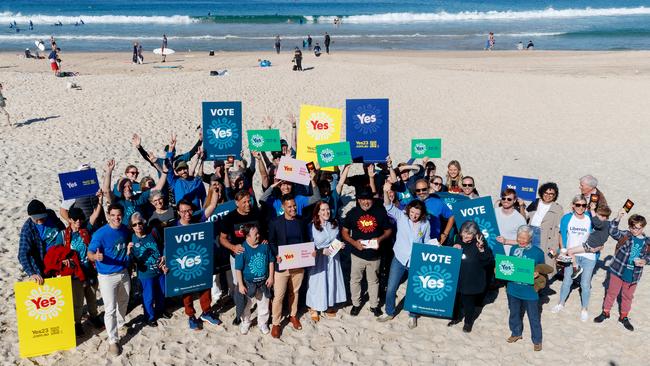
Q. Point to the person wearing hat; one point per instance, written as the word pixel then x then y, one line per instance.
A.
pixel 185 186
pixel 37 234
pixel 365 227
pixel 132 202
pixel 76 237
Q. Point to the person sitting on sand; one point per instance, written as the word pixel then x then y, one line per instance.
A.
pixel 317 51
pixel 530 46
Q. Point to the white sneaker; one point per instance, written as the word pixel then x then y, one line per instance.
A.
pixel 584 315
pixel 264 328
pixel 557 308
pixel 244 328
pixel 385 318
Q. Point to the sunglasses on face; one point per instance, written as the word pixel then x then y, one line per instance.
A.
pixel 468 185
pixel 418 190
pixel 139 223
pixel 437 183
pixel 509 199
pixel 584 205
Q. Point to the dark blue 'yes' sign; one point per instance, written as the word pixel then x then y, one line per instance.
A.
pixel 366 122
pixel 222 129
pixel 189 255
pixel 79 183
pixel 526 187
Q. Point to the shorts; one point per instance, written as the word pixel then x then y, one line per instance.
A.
pixel 54 66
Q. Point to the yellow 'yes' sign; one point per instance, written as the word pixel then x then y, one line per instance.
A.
pixel 318 126
pixel 45 316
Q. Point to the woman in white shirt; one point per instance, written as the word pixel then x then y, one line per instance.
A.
pixel 544 216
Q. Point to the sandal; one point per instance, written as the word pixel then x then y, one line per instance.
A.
pixel 314 315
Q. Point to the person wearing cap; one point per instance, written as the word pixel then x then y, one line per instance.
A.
pixel 110 248
pixel 185 185
pixel 37 234
pixel 76 236
pixel 131 202
pixel 365 227
pixel 271 200
pixel 87 204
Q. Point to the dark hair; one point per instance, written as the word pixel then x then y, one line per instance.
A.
pixel 287 197
pixel 324 184
pixel 115 206
pixel 417 204
pixel 184 202
pixel 246 228
pixel 241 194
pixel 637 219
pixel 604 210
pixel 545 187
pixel 316 219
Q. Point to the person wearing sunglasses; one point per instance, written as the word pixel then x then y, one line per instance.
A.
pixel 435 184
pixel 544 215
pixel 631 255
pixel 574 231
pixel 468 188
pixel 508 220
pixel 151 269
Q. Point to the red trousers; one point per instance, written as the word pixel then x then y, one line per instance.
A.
pixel 616 286
pixel 205 300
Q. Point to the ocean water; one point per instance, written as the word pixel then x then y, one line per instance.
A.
pixel 251 25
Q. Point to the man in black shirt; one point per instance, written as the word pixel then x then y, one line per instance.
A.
pixel 365 227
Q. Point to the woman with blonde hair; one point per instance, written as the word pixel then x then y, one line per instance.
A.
pixel 454 177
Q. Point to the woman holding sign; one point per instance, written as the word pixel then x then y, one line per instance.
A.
pixel 544 216
pixel 326 283
pixel 412 227
pixel 472 279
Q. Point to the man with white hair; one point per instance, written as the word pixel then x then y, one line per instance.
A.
pixel 588 189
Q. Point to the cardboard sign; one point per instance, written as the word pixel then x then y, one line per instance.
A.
pixel 432 281
pixel 189 254
pixel 45 316
pixel 318 125
pixel 80 183
pixel 367 127
pixel 421 148
pixel 293 170
pixel 515 269
pixel 334 154
pixel 222 210
pixel 450 199
pixel 222 129
pixel 526 187
pixel 481 211
pixel 264 140
pixel 296 256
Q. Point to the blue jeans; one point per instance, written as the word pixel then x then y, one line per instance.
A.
pixel 537 237
pixel 517 308
pixel 588 266
pixel 396 276
pixel 153 296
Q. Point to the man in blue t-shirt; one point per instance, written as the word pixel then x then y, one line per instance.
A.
pixel 523 296
pixel 436 211
pixel 110 249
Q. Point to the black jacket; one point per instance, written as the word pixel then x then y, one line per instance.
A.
pixel 472 278
pixel 278 233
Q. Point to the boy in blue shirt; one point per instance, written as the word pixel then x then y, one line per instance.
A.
pixel 254 270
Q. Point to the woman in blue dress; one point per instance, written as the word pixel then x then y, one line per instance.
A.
pixel 326 286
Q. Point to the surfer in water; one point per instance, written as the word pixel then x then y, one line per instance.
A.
pixel 31 25
pixel 277 44
pixel 164 46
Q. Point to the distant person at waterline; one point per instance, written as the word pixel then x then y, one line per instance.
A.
pixel 530 46
pixel 277 44
pixel 164 46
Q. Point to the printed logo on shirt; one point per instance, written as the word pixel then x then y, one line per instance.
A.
pixel 189 262
pixel 320 126
pixel 45 302
pixel 258 265
pixel 367 224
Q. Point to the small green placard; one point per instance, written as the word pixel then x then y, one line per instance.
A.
pixel 515 269
pixel 264 140
pixel 334 154
pixel 421 148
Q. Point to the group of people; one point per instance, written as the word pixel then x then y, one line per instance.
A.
pixel 307 44
pixel 114 240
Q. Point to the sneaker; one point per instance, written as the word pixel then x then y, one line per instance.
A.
pixel 114 349
pixel 355 310
pixel 600 318
pixel 537 347
pixel 211 318
pixel 513 339
pixel 264 328
pixel 376 311
pixel 384 318
pixel 576 272
pixel 79 330
pixel 195 324
pixel 97 322
pixel 584 315
pixel 152 323
pixel 244 328
pixel 413 322
pixel 626 323
pixel 557 308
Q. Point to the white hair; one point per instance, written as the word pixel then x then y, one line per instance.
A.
pixel 527 229
pixel 589 180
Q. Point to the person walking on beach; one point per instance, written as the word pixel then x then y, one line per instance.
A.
pixel 164 46
pixel 3 104
pixel 277 44
pixel 327 43
pixel 135 52
pixel 309 41
pixel 297 57
pixel 489 46
pixel 53 57
pixel 140 56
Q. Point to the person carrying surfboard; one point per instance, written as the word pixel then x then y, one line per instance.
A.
pixel 164 46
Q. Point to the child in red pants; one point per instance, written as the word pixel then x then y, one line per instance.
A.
pixel 631 255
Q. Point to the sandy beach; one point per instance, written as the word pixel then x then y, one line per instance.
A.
pixel 555 116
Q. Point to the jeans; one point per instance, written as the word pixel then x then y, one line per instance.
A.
pixel 588 266
pixel 153 296
pixel 517 308
pixel 115 288
pixel 396 276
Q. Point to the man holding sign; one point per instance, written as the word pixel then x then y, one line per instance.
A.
pixel 287 229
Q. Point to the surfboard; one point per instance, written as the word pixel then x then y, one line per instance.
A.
pixel 40 45
pixel 168 51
